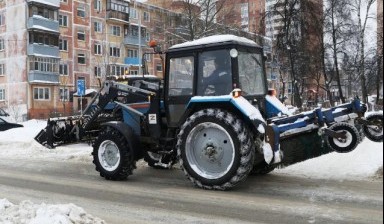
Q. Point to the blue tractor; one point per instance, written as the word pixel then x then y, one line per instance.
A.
pixel 211 113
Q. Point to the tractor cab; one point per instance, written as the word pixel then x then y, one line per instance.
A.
pixel 212 67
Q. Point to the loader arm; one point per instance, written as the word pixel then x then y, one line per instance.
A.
pixel 85 124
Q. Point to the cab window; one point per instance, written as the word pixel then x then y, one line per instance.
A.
pixel 181 72
pixel 251 74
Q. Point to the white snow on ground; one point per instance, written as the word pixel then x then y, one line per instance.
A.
pixel 361 164
pixel 27 212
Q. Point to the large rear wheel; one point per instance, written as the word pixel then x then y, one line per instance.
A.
pixel 216 149
pixel 112 156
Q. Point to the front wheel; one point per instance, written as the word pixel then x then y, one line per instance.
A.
pixel 374 131
pixel 349 142
pixel 216 149
pixel 112 156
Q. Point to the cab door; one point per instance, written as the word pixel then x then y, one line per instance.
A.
pixel 179 86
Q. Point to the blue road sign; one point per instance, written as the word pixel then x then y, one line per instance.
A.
pixel 80 87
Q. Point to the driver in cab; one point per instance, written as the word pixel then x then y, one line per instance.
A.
pixel 219 82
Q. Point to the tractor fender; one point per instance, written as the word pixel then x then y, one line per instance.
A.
pixel 129 135
pixel 238 105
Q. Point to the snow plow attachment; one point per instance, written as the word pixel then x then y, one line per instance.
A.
pixel 311 134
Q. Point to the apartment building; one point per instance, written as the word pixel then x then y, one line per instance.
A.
pixel 54 43
pixel 29 56
pixel 244 14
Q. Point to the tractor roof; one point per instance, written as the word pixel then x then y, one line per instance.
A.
pixel 214 41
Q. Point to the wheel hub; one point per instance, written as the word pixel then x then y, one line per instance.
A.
pixel 109 155
pixel 212 152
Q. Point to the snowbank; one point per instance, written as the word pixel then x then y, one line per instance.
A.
pixel 366 161
pixel 27 212
pixel 20 143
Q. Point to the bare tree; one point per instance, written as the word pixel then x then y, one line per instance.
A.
pixel 338 30
pixel 200 18
pixel 362 8
pixel 289 40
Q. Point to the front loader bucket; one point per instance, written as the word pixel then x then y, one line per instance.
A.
pixel 57 133
pixel 42 137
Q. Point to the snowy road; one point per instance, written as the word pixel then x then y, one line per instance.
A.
pixel 165 196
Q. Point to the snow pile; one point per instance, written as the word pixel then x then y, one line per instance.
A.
pixel 20 143
pixel 366 161
pixel 27 212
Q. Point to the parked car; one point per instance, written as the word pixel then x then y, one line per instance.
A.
pixel 5 116
pixel 6 122
pixel 5 125
pixel 3 113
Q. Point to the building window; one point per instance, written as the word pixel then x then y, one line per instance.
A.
pixel 44 64
pixel 133 53
pixel 2 94
pixel 63 69
pixel 114 52
pixel 159 67
pixel 44 12
pixel 148 37
pixel 98 49
pixel 63 45
pixel 133 72
pixel 133 13
pixel 2 69
pixel 97 72
pixel 98 5
pixel 98 27
pixel 81 12
pixel 64 94
pixel 41 93
pixel 81 59
pixel 2 22
pixel 148 57
pixel 65 1
pixel 116 30
pixel 117 70
pixel 43 38
pixel 81 35
pixel 63 20
pixel 147 17
pixel 2 45
pixel 134 30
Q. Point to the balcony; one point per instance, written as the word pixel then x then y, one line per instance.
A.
pixel 132 61
pixel 43 77
pixel 41 23
pixel 53 3
pixel 43 50
pixel 134 40
pixel 118 16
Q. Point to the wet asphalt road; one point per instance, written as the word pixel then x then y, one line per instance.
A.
pixel 166 196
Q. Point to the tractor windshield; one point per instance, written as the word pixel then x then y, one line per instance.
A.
pixel 251 74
